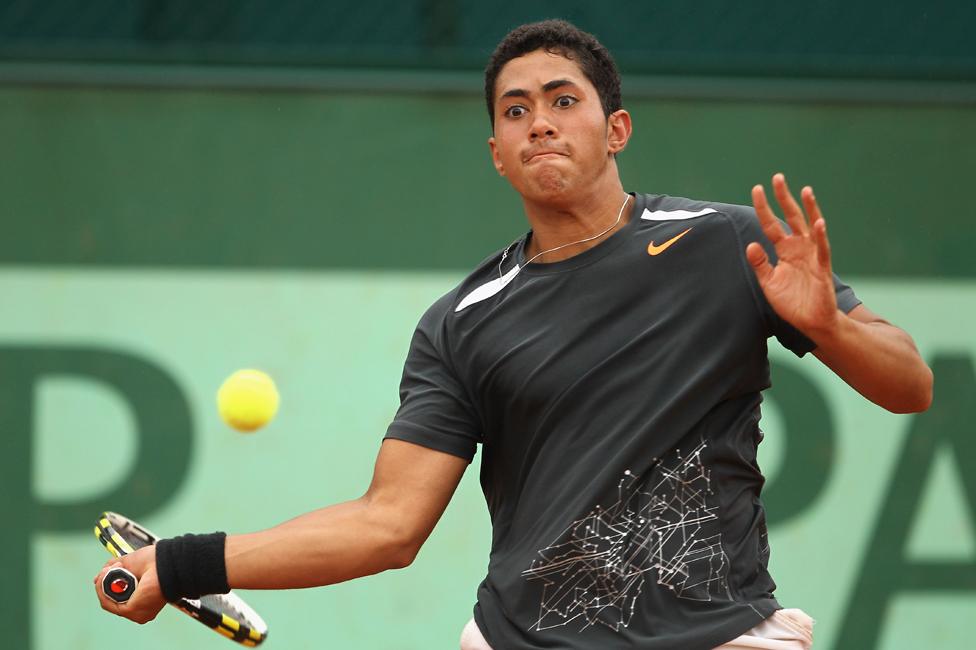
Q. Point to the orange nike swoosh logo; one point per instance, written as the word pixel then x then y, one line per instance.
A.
pixel 657 250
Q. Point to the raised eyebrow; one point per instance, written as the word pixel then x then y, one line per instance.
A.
pixel 546 87
pixel 556 83
pixel 514 92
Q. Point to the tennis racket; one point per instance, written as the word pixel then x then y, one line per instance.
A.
pixel 226 613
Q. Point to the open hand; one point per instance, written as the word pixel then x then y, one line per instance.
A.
pixel 800 288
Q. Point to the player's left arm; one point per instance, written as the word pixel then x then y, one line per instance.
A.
pixel 877 359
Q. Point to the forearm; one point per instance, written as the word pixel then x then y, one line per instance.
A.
pixel 383 529
pixel 326 546
pixel 878 360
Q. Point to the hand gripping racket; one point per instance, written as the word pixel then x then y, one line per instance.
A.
pixel 226 613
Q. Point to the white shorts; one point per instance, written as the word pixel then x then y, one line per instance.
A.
pixel 786 629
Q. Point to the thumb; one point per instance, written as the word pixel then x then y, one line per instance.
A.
pixel 759 262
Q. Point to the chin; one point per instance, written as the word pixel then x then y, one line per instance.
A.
pixel 549 184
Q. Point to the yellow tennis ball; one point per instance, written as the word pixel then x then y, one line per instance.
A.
pixel 247 400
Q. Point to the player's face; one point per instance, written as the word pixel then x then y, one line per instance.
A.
pixel 551 138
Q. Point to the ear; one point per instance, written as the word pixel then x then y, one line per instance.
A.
pixel 495 159
pixel 619 128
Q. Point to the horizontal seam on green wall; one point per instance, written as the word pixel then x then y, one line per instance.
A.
pixel 230 78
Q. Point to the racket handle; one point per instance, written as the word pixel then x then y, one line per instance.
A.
pixel 119 585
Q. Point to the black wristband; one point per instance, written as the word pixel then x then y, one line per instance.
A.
pixel 190 566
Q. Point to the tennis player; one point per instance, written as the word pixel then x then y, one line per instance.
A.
pixel 610 362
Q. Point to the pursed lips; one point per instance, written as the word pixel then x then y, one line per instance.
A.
pixel 546 153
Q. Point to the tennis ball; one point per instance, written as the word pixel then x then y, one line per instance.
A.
pixel 247 400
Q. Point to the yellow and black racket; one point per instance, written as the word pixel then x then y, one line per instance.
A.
pixel 226 613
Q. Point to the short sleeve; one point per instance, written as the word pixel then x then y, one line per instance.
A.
pixel 435 411
pixel 749 230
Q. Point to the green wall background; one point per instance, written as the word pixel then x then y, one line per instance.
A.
pixel 189 233
pixel 131 177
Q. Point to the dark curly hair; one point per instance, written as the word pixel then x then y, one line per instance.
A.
pixel 557 37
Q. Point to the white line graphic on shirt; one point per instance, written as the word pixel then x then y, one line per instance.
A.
pixel 595 570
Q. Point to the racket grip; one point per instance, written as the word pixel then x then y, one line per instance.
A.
pixel 119 585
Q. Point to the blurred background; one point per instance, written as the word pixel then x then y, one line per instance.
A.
pixel 188 188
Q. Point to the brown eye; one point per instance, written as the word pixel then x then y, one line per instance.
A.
pixel 565 101
pixel 515 111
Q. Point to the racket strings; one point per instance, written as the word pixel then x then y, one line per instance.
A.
pixel 137 536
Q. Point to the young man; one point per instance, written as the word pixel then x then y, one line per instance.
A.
pixel 610 362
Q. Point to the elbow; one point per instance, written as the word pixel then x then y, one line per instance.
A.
pixel 401 545
pixel 399 531
pixel 919 399
pixel 403 555
pixel 927 392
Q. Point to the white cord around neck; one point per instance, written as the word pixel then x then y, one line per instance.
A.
pixel 620 213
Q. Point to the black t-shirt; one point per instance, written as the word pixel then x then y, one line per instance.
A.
pixel 616 398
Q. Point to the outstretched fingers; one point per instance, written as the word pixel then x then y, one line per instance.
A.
pixel 810 205
pixel 791 209
pixel 759 262
pixel 818 226
pixel 767 220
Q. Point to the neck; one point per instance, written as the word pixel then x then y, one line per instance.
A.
pixel 556 225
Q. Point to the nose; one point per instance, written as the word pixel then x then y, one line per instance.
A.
pixel 542 126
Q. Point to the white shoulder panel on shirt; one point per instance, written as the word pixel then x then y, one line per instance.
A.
pixel 671 215
pixel 488 289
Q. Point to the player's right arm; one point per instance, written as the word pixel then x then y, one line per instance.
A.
pixel 383 529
